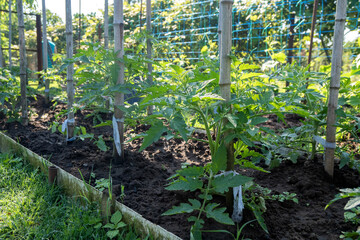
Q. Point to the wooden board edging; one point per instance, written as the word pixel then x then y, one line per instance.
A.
pixel 76 187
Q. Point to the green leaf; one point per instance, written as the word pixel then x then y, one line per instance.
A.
pixel 192 171
pixel 178 69
pixel 232 119
pixel 178 123
pixel 218 214
pixel 354 101
pixel 258 120
pixel 54 126
pixel 103 124
pixel 243 118
pixel 302 112
pixel 97 226
pixel 112 234
pixel 88 135
pixel 195 203
pixel 246 66
pixel 109 225
pixel 258 216
pixel 293 156
pixel 153 134
pixel 248 164
pixel 246 140
pixel 83 130
pixel 222 183
pixel 250 75
pixel 252 131
pixel 100 143
pixel 84 59
pixel 120 225
pixel 185 184
pixel 195 232
pixel 182 208
pixel 207 97
pixel 204 49
pixel 280 57
pixel 219 160
pixel 116 217
pixel 354 202
pixel 344 159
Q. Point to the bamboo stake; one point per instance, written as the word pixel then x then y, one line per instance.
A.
pixel 1 53
pixel 20 13
pixel 225 38
pixel 106 25
pixel 39 46
pixel 141 5
pixel 291 41
pixel 45 54
pixel 10 35
pixel 119 49
pixel 79 24
pixel 70 70
pixel 334 85
pixel 149 48
pixel 225 47
pixel 106 39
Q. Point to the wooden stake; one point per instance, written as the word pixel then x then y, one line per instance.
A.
pixel 39 46
pixel 108 205
pixel 52 174
pixel 79 24
pixel 119 49
pixel 70 68
pixel 45 53
pixel 1 53
pixel 149 48
pixel 291 41
pixel 106 25
pixel 335 85
pixel 24 111
pixel 225 38
pixel 141 5
pixel 10 34
pixel 106 39
pixel 225 47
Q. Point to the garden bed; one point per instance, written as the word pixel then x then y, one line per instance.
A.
pixel 144 176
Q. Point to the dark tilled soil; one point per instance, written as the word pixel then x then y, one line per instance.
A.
pixel 144 176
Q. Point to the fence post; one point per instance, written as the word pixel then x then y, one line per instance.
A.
pixel 39 45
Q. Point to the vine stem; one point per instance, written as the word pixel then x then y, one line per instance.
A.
pixel 207 129
pixel 205 196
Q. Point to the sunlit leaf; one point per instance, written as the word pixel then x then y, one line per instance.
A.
pixel 153 135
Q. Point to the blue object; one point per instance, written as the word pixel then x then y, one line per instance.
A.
pixel 51 50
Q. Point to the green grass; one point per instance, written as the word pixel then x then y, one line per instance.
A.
pixel 32 209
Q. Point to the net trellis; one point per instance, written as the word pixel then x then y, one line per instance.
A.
pixel 258 26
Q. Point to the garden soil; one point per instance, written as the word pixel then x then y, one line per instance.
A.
pixel 144 176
